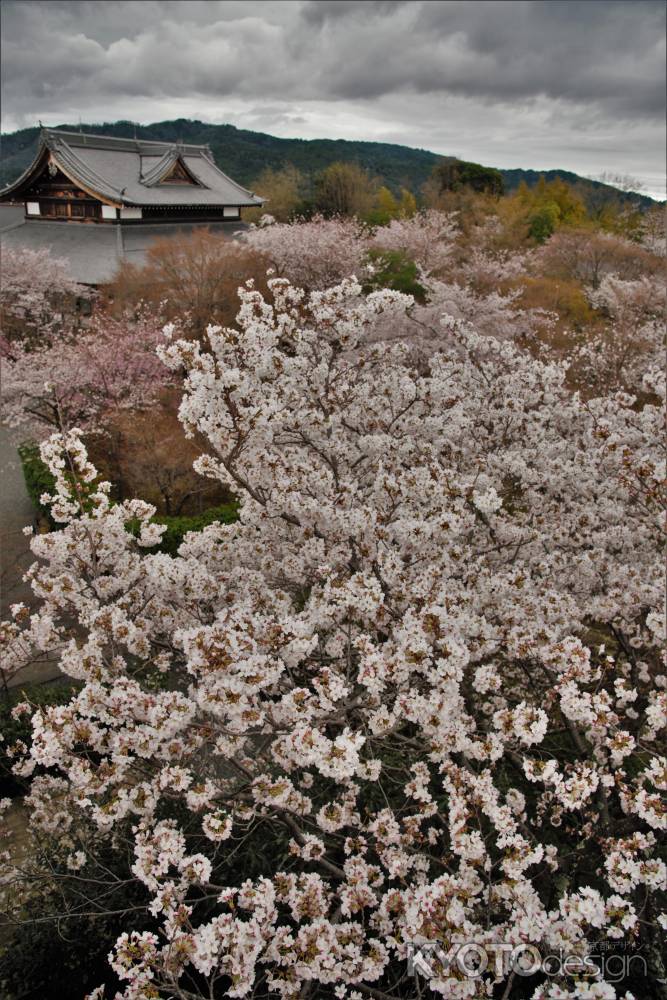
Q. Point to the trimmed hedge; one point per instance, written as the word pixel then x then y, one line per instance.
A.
pixel 178 527
pixel 39 480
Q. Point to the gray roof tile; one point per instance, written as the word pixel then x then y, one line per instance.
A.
pixel 128 171
pixel 94 252
pixel 91 251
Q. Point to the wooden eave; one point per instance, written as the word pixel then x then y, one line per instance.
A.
pixel 34 171
pixel 84 187
pixel 29 175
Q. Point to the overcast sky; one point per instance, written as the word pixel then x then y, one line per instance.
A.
pixel 576 85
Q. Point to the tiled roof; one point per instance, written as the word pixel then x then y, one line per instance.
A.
pixel 92 252
pixel 129 171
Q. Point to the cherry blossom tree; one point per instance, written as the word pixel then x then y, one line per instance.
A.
pixel 314 254
pixel 493 314
pixel 320 252
pixel 489 270
pixel 653 231
pixel 427 660
pixel 80 376
pixel 428 238
pixel 36 294
pixel 629 346
pixel 590 255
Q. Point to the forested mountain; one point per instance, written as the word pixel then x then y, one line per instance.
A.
pixel 244 154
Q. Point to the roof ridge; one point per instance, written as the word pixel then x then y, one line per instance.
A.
pixel 133 140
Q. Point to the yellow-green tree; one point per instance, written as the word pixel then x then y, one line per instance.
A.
pixel 385 208
pixel 386 203
pixel 536 213
pixel 407 205
pixel 388 207
pixel 550 205
pixel 284 190
pixel 345 189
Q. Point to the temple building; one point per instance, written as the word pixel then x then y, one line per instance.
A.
pixel 95 199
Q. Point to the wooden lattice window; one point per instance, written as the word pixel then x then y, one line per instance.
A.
pixel 62 209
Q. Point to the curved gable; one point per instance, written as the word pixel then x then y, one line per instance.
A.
pixel 169 169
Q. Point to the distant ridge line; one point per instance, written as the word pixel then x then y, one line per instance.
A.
pixel 243 154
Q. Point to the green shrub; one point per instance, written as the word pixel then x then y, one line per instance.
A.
pixel 394 269
pixel 178 527
pixel 39 480
pixel 13 730
pixel 378 217
pixel 543 223
pixel 58 949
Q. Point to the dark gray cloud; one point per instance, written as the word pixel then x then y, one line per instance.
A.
pixel 611 54
pixel 320 11
pixel 338 67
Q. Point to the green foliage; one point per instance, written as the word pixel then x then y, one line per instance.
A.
pixel 387 207
pixel 49 960
pixel 542 224
pixel 550 205
pixel 38 479
pixel 384 210
pixel 536 213
pixel 394 269
pixel 178 527
pixel 595 193
pixel 20 730
pixel 453 175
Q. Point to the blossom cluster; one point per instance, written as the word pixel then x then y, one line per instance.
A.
pixel 427 657
pixel 37 294
pixel 80 376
